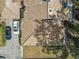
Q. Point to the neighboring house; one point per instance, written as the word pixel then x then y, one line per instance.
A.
pixel 2 5
pixel 2 40
pixel 10 11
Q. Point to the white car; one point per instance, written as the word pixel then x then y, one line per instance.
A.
pixel 15 25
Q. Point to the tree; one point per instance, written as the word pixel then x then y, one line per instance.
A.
pixel 76 4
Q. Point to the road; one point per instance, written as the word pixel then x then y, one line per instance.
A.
pixel 12 50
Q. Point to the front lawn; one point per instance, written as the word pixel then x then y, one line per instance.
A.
pixel 2 35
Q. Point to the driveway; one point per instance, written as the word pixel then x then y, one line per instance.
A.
pixel 12 50
pixel 8 3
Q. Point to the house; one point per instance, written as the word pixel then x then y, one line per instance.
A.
pixel 2 5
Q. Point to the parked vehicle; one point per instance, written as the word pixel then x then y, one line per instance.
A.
pixel 15 25
pixel 2 57
pixel 8 32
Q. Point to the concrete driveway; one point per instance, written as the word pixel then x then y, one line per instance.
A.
pixel 12 50
pixel 8 3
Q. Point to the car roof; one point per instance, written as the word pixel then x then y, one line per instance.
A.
pixel 15 22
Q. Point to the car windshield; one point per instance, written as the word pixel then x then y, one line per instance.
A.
pixel 7 32
pixel 15 23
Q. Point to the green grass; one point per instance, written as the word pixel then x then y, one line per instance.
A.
pixel 2 35
pixel 0 29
